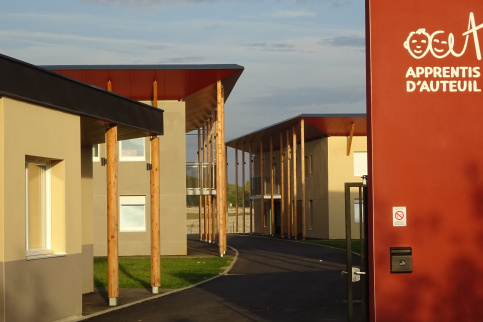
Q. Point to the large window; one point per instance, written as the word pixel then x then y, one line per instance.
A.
pixel 38 207
pixel 132 150
pixel 132 213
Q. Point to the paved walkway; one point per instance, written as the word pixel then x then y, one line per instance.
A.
pixel 271 280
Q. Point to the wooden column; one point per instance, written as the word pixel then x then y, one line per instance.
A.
pixel 219 185
pixel 295 218
pixel 225 190
pixel 250 170
pixel 349 143
pixel 282 188
pixel 236 187
pixel 200 198
pixel 302 165
pixel 155 220
pixel 244 185
pixel 209 200
pixel 272 207
pixel 210 180
pixel 155 207
pixel 262 192
pixel 112 217
pixel 221 168
pixel 289 189
pixel 205 199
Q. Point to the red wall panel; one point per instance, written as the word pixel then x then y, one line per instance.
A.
pixel 426 153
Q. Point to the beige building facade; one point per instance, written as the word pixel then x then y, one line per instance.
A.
pixel 134 191
pixel 48 124
pixel 307 199
pixel 188 95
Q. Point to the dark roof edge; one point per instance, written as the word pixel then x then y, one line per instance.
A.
pixel 145 67
pixel 295 118
pixel 28 82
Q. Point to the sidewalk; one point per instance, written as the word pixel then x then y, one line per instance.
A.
pixel 97 302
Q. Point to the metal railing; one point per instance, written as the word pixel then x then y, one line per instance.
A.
pixel 200 177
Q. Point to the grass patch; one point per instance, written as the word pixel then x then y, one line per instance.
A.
pixel 135 272
pixel 336 243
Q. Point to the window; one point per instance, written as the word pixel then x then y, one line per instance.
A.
pixel 310 164
pixel 131 150
pixel 38 215
pixel 311 214
pixel 357 211
pixel 132 213
pixel 360 164
pixel 95 153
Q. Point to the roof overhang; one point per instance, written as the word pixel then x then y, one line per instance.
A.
pixel 194 84
pixel 97 108
pixel 316 126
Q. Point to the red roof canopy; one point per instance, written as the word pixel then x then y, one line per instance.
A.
pixel 317 126
pixel 175 82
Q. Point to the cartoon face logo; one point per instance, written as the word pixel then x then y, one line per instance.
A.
pixel 441 44
pixel 418 43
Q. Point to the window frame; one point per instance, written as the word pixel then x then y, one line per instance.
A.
pixel 358 203
pixel 46 198
pixel 96 158
pixel 131 201
pixel 132 157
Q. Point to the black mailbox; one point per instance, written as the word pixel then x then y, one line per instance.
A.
pixel 401 260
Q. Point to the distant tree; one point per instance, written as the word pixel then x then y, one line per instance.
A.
pixel 192 201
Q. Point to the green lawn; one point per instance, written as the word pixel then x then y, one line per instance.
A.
pixel 336 243
pixel 135 272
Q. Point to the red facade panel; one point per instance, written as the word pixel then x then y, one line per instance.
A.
pixel 425 154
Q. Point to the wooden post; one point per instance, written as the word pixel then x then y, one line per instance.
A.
pixel 251 183
pixel 210 180
pixel 289 189
pixel 221 168
pixel 155 207
pixel 200 198
pixel 236 187
pixel 112 217
pixel 208 198
pixel 205 206
pixel 272 214
pixel 155 220
pixel 244 185
pixel 282 188
pixel 225 168
pixel 295 218
pixel 302 160
pixel 219 186
pixel 225 182
pixel 349 144
pixel 262 192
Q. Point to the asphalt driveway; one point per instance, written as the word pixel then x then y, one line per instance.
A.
pixel 272 280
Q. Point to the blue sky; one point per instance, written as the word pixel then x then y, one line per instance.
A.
pixel 300 56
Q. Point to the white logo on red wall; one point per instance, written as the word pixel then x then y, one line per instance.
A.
pixel 441 44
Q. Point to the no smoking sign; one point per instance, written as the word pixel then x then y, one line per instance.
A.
pixel 399 216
